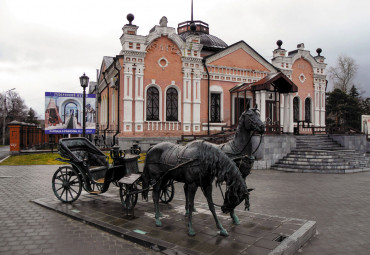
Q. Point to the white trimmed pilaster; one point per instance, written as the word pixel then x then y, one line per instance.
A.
pixel 139 98
pixel 187 101
pixel 196 102
pixel 127 98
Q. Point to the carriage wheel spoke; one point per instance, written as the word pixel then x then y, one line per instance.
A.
pixel 62 192
pixel 69 178
pixel 59 188
pixel 73 190
pixel 71 194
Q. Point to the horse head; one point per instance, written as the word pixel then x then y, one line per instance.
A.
pixel 233 197
pixel 251 121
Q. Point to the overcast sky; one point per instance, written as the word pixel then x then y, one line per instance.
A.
pixel 46 45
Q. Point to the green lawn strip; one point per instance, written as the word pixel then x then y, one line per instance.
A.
pixel 42 159
pixel 32 159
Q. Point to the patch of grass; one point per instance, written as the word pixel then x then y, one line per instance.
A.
pixel 32 159
pixel 44 159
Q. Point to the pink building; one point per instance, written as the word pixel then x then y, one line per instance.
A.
pixel 186 81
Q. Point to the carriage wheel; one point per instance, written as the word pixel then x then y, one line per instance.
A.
pixel 128 198
pixel 167 193
pixel 67 184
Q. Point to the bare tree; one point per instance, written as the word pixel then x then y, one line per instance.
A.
pixel 343 73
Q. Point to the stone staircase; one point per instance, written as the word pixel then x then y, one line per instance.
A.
pixel 321 154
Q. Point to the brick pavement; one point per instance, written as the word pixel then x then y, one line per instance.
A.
pixel 338 203
pixel 26 228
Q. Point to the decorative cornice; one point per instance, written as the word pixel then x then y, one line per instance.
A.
pixel 191 59
pixel 130 53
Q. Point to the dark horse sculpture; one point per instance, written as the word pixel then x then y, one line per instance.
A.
pixel 239 148
pixel 197 164
pixel 241 145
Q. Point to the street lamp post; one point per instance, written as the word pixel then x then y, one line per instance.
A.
pixel 4 114
pixel 84 80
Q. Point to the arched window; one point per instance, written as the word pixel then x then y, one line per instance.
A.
pixel 307 110
pixel 171 105
pixel 296 109
pixel 152 104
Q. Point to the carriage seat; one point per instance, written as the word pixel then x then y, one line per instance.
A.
pixel 93 162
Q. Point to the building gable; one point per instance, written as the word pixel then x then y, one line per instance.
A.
pixel 240 55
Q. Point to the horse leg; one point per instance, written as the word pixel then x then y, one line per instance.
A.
pixel 207 191
pixel 156 190
pixel 234 217
pixel 187 201
pixel 191 189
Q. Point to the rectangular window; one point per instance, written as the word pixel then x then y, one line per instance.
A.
pixel 215 107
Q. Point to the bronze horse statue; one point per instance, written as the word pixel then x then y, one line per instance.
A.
pixel 196 164
pixel 240 147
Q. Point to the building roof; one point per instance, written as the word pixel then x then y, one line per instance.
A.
pixel 108 61
pixel 276 80
pixel 202 29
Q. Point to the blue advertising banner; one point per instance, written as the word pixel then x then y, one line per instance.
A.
pixel 63 113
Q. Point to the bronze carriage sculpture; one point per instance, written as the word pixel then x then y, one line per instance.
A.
pixel 90 170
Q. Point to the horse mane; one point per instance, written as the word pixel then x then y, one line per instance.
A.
pixel 240 123
pixel 221 167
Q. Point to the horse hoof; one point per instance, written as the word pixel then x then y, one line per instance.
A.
pixel 194 210
pixel 236 222
pixel 191 233
pixel 158 223
pixel 223 233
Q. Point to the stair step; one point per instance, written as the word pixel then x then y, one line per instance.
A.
pixel 310 163
pixel 321 167
pixel 320 153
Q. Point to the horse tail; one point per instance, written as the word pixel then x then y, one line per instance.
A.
pixel 146 177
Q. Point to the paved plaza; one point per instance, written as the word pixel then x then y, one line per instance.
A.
pixel 338 203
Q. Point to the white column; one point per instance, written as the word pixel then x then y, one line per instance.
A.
pixel 316 105
pixel 281 109
pixel 127 98
pixel 286 113
pixel 139 98
pixel 322 108
pixel 291 123
pixel 258 100
pixel 263 105
pixel 196 102
pixel 187 101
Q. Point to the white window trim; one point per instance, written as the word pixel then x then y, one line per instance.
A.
pixel 178 101
pixel 311 106
pixel 299 107
pixel 219 90
pixel 160 102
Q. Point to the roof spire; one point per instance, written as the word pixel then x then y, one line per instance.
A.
pixel 191 10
